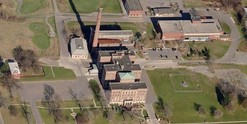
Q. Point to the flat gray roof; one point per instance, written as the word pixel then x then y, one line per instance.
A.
pixel 170 26
pixel 109 53
pixel 163 10
pixel 134 5
pixel 122 64
pixel 128 86
pixel 187 27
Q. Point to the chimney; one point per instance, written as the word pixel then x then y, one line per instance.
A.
pixel 96 32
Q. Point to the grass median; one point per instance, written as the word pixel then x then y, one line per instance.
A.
pixel 52 73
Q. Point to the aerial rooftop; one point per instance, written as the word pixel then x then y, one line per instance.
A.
pixel 122 64
pixel 78 46
pixel 134 5
pixel 128 86
pixel 187 27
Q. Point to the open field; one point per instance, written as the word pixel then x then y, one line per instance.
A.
pixel 217 49
pixel 225 27
pixel 40 38
pixel 110 6
pixel 190 79
pixel 194 3
pixel 182 104
pixel 8 119
pixel 59 74
pixel 30 6
pixel 19 33
pixel 14 34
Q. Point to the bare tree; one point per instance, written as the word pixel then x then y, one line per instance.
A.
pixel 25 58
pixel 75 98
pixel 25 112
pixel 3 101
pixel 52 101
pixel 9 83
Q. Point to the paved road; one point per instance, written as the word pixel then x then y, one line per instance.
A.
pixel 151 98
pixel 35 112
pixel 235 35
pixel 33 91
pixel 1 119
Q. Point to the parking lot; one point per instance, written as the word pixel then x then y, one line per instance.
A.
pixel 163 54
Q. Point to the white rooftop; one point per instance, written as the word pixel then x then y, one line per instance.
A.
pixel 14 68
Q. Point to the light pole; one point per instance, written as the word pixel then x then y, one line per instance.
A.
pixel 73 114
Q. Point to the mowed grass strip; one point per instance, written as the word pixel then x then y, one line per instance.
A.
pixel 60 73
pixel 182 104
pixel 40 38
pixel 86 6
pixel 30 6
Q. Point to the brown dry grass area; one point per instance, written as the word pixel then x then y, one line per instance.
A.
pixel 53 51
pixel 18 33
pixel 14 34
pixel 8 6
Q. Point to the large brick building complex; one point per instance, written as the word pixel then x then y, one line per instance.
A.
pixel 121 77
pixel 187 30
pixel 198 28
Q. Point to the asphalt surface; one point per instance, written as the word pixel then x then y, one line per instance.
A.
pixel 235 35
pixel 151 98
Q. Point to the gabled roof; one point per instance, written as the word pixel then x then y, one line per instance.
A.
pixel 14 68
pixel 126 75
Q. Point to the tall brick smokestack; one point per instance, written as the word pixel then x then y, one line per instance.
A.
pixel 96 32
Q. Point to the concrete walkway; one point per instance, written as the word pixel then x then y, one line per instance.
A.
pixel 35 112
pixel 1 119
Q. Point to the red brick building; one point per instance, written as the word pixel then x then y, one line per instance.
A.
pixel 133 8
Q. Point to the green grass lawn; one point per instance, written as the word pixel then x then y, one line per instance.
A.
pixel 182 104
pixel 48 119
pixel 191 80
pixel 225 27
pixel 217 49
pixel 194 3
pixel 40 38
pixel 60 73
pixel 85 6
pixel 52 22
pixel 8 119
pixel 30 6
